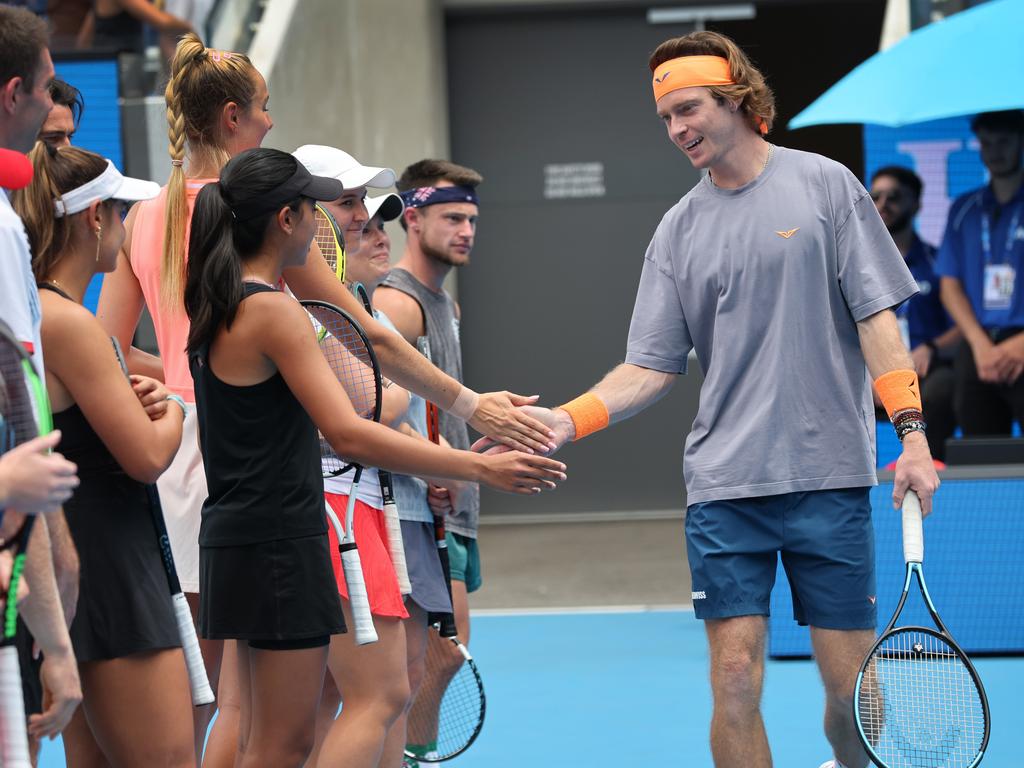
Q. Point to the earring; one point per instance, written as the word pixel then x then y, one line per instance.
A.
pixel 99 240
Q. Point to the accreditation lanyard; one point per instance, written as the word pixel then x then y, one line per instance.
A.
pixel 1000 279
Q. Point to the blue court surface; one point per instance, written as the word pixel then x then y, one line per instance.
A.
pixel 628 689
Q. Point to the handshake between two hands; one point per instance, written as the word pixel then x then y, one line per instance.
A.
pixel 536 473
pixel 555 420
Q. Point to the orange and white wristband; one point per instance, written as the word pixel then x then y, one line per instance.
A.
pixel 588 412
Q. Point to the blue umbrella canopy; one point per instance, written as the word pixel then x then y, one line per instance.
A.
pixel 970 62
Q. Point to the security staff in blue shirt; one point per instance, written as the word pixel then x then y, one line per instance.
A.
pixel 980 260
pixel 928 331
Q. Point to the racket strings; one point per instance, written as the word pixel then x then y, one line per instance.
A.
pixel 17 415
pixel 920 707
pixel 351 361
pixel 461 707
pixel 327 240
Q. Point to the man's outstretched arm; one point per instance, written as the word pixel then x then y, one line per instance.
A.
pixel 625 390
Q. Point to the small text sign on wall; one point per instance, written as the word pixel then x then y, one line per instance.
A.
pixel 573 180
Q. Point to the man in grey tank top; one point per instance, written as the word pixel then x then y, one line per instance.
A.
pixel 440 223
pixel 778 272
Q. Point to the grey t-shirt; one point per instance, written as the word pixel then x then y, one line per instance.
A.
pixel 767 283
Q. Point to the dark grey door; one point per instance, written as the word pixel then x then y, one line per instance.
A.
pixel 556 111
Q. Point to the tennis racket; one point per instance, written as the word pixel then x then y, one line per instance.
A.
pixel 392 523
pixel 919 701
pixel 332 244
pixel 22 400
pixel 351 358
pixel 446 626
pixel 450 707
pixel 198 681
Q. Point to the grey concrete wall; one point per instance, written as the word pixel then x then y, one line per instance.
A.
pixel 368 77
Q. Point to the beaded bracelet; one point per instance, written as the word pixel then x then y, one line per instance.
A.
pixel 906 427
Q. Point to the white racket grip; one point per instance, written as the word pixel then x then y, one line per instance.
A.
pixel 913 530
pixel 361 616
pixel 397 548
pixel 353 570
pixel 202 693
pixel 13 725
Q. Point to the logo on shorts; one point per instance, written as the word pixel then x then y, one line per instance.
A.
pixel 698 595
pixel 787 233
pixel 872 599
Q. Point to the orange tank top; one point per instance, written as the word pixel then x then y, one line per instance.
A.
pixel 172 325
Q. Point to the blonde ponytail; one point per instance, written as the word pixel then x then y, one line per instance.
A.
pixel 199 86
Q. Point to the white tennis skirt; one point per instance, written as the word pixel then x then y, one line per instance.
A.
pixel 182 493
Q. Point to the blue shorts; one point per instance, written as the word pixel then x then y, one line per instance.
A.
pixel 828 550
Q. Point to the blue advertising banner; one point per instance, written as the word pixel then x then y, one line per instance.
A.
pixel 100 128
pixel 944 153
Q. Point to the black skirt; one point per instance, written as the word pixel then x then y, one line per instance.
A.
pixel 124 605
pixel 275 590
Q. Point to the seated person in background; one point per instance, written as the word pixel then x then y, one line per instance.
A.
pixel 117 25
pixel 62 122
pixel 979 260
pixel 927 330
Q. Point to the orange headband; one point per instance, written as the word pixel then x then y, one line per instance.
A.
pixel 690 71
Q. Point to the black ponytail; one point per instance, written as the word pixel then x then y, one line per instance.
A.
pixel 222 237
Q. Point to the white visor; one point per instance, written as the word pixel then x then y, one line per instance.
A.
pixel 109 185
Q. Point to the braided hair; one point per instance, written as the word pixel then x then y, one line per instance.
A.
pixel 202 81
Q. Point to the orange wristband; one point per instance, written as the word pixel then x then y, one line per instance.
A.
pixel 588 413
pixel 898 391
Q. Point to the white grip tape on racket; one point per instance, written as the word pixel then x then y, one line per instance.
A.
pixel 913 530
pixel 202 693
pixel 351 566
pixel 13 733
pixel 397 548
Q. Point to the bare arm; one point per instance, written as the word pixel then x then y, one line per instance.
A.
pixel 951 291
pixel 882 345
pixel 996 363
pixel 394 404
pixel 120 307
pixel 65 564
pixel 80 355
pixel 44 617
pixel 148 13
pixel 285 337
pixel 496 414
pixel 625 390
pixel 883 350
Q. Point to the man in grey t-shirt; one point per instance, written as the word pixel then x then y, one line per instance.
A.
pixel 777 270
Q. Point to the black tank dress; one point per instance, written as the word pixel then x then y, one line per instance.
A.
pixel 124 605
pixel 265 569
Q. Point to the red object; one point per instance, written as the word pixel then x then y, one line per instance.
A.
pixel 939 466
pixel 15 169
